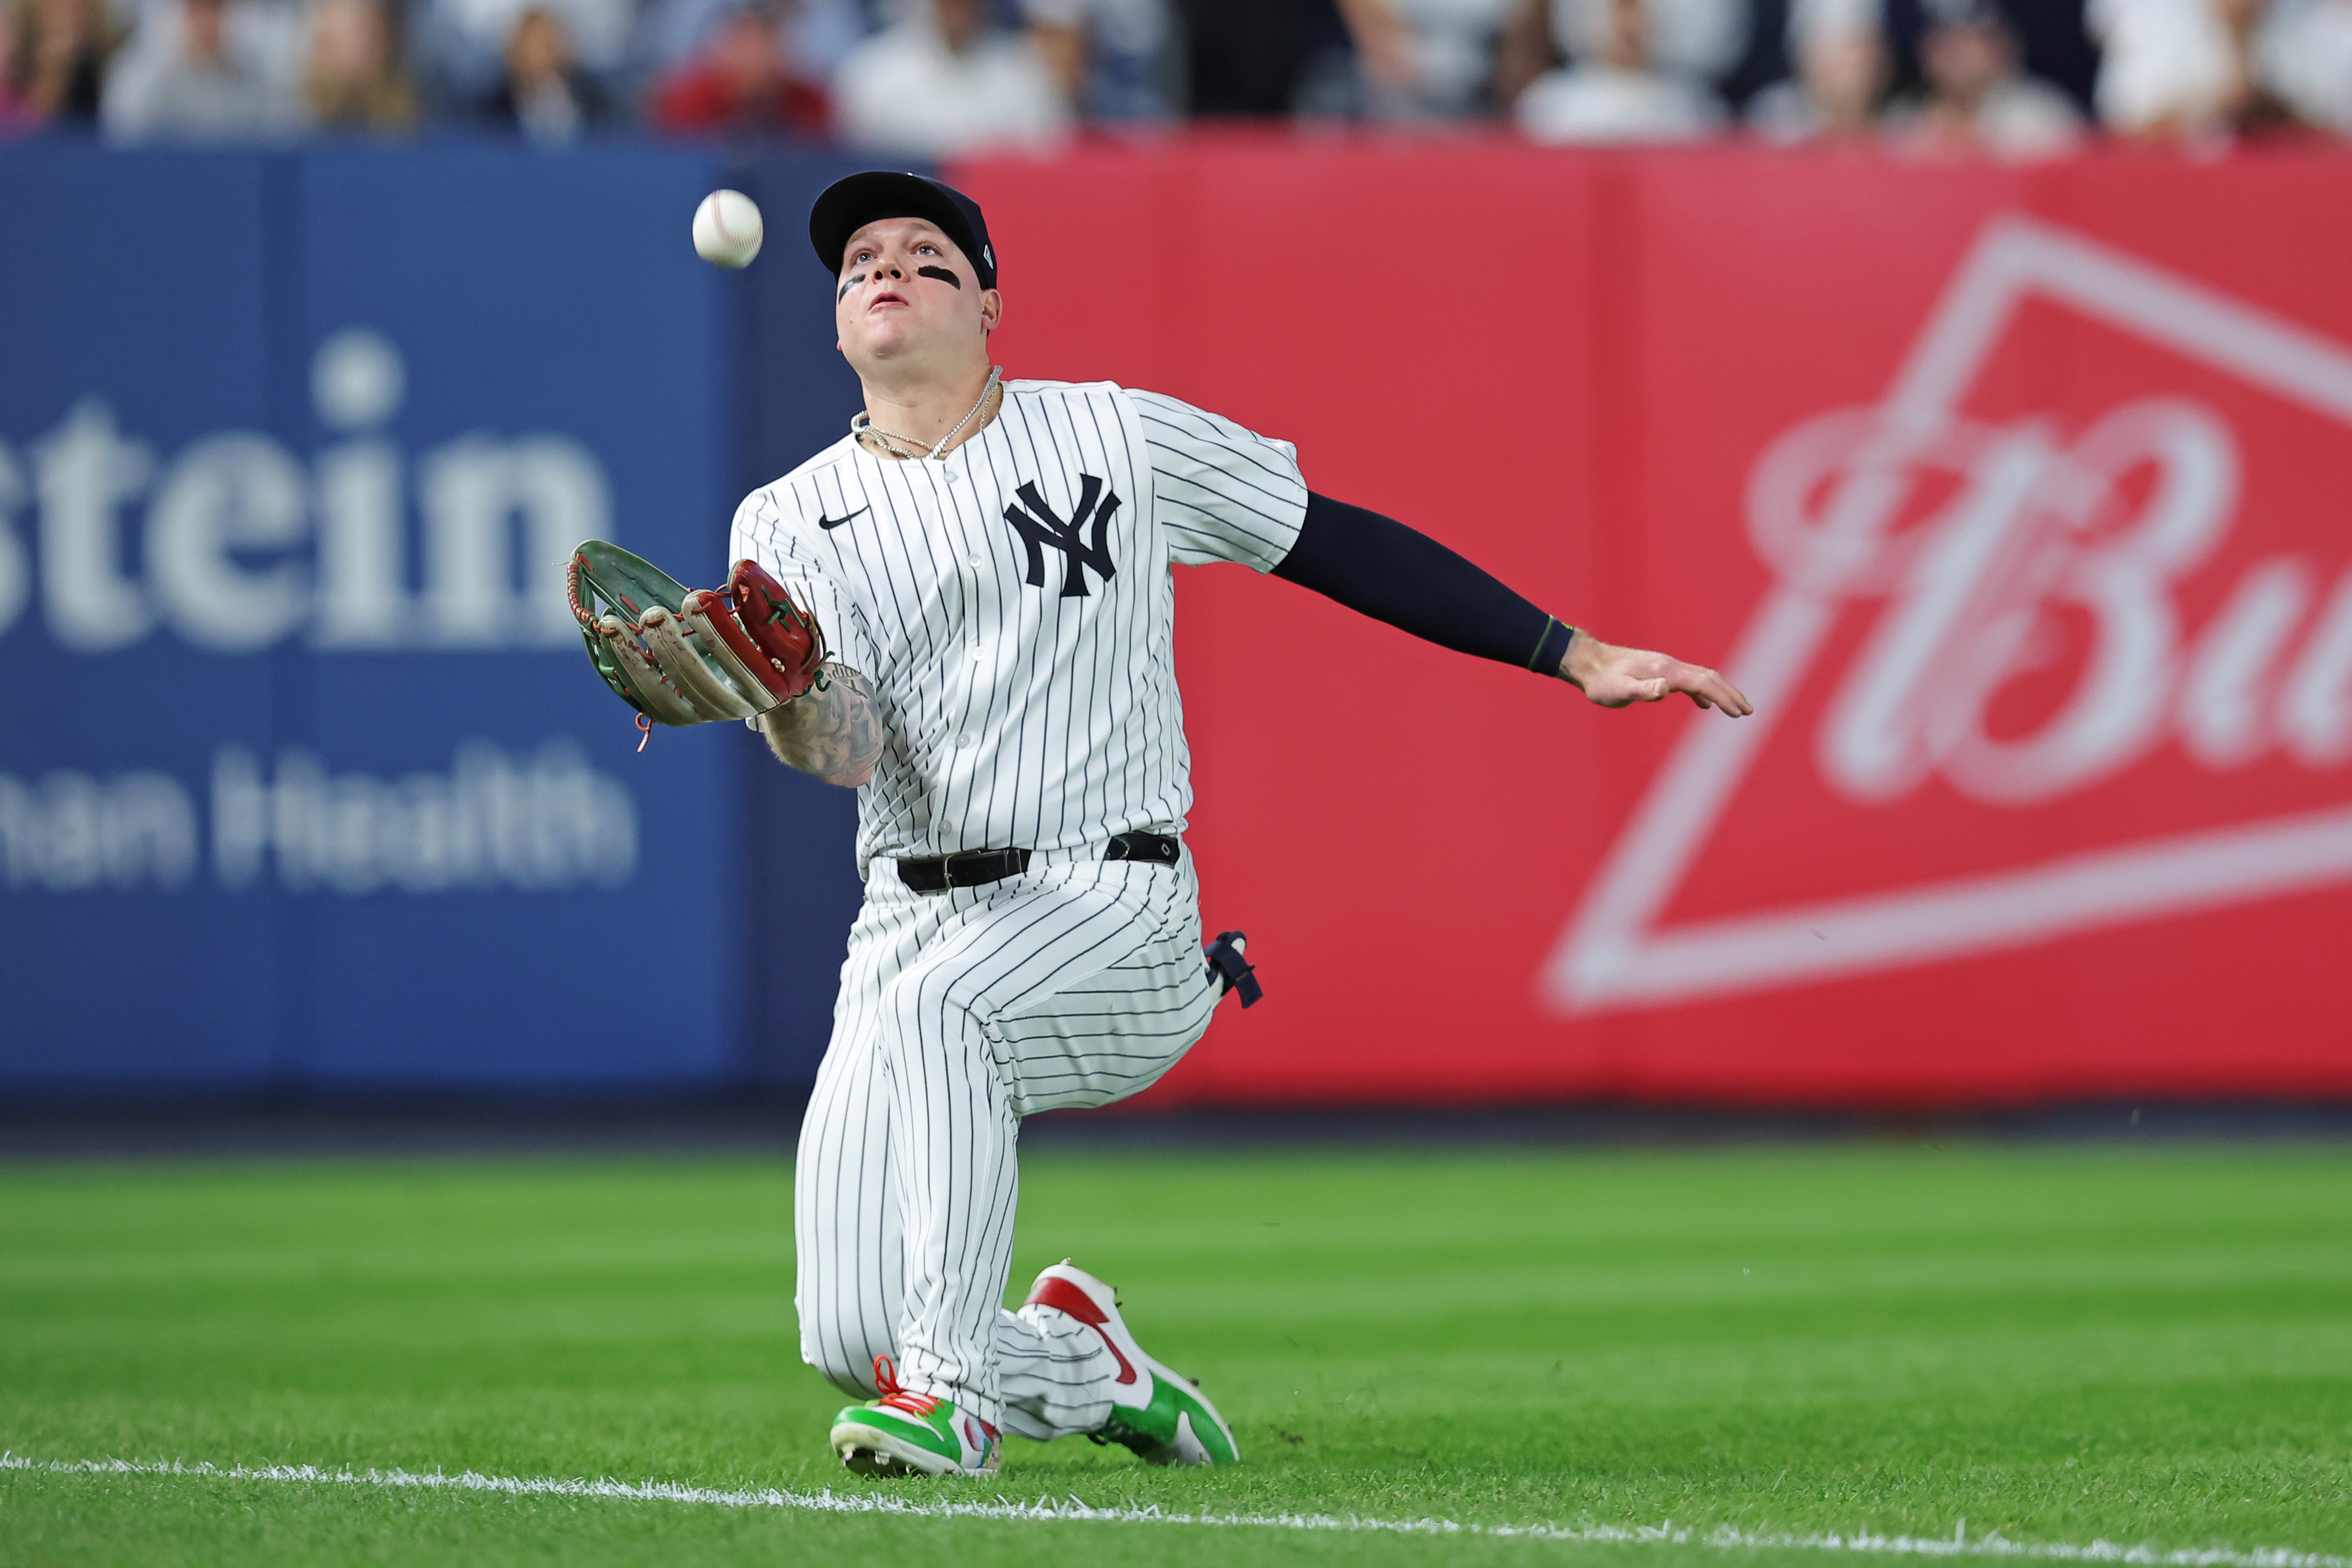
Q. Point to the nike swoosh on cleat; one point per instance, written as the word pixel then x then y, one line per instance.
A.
pixel 838 521
pixel 1063 1297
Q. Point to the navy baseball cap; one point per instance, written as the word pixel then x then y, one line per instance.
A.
pixel 849 205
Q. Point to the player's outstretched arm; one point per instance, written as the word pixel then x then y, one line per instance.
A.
pixel 1615 677
pixel 835 733
pixel 1378 567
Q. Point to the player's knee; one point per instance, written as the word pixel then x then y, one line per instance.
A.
pixel 920 1015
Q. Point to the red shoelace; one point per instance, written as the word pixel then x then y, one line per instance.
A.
pixel 885 1384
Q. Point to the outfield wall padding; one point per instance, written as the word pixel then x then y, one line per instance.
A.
pixel 2017 498
pixel 305 784
pixel 2014 497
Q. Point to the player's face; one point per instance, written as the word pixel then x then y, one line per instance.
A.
pixel 904 292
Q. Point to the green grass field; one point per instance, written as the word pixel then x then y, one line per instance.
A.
pixel 2056 1345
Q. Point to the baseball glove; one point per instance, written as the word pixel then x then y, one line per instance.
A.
pixel 690 657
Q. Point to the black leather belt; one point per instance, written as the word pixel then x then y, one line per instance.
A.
pixel 978 867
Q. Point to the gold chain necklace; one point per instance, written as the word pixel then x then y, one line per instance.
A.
pixel 861 423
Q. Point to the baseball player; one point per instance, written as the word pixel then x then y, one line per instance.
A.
pixel 989 563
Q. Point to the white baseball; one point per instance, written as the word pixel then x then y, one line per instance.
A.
pixel 727 229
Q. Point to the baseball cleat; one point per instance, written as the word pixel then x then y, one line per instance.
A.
pixel 1156 1411
pixel 905 1433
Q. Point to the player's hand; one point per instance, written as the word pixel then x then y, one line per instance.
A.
pixel 1615 676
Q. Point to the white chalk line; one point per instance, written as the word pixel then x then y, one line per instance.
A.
pixel 1721 1537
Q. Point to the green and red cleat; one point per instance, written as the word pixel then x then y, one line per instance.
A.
pixel 1155 1411
pixel 905 1433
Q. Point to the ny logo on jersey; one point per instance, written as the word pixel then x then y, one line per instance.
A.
pixel 1039 528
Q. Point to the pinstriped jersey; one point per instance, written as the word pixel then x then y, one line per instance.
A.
pixel 1012 605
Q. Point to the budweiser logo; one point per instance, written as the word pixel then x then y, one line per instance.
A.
pixel 2022 583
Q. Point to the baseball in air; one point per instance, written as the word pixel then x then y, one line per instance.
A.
pixel 727 229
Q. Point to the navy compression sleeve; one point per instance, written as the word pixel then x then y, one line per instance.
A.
pixel 1378 567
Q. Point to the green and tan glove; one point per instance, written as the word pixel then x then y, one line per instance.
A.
pixel 682 656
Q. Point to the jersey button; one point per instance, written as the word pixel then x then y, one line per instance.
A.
pixel 964 740
pixel 974 563
pixel 976 654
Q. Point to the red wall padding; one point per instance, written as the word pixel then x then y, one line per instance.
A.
pixel 2020 501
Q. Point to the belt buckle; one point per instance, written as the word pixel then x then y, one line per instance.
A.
pixel 946 871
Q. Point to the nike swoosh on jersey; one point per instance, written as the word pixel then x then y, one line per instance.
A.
pixel 838 521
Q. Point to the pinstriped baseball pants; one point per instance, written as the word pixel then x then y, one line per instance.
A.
pixel 1076 983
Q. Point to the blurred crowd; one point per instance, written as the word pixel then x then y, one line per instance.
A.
pixel 2008 78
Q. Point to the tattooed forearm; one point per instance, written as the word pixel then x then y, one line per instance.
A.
pixel 836 733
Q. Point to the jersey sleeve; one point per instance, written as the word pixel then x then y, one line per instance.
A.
pixel 1223 493
pixel 764 531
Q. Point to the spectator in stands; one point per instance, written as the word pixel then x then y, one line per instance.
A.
pixel 1110 57
pixel 2304 51
pixel 53 56
pixel 1622 86
pixel 2223 68
pixel 817 36
pixel 15 119
pixel 2165 65
pixel 465 47
pixel 1696 41
pixel 1977 98
pixel 544 95
pixel 944 81
pixel 744 81
pixel 1257 59
pixel 355 80
pixel 204 80
pixel 814 36
pixel 1448 59
pixel 1843 73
